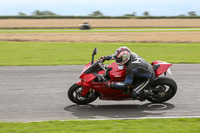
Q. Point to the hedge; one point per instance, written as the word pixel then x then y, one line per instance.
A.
pixel 99 17
pixel 64 17
pixel 168 17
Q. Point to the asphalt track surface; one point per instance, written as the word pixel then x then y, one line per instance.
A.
pixel 38 93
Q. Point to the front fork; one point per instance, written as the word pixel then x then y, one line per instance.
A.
pixel 86 87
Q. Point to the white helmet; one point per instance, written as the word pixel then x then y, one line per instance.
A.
pixel 122 55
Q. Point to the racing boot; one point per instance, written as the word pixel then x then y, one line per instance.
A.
pixel 137 92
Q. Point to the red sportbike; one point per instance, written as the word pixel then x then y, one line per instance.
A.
pixel 95 74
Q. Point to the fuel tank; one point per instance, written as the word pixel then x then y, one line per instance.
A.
pixel 117 74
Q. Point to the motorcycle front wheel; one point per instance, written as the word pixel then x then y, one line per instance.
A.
pixel 163 89
pixel 74 94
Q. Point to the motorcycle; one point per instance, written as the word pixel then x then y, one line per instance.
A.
pixel 95 74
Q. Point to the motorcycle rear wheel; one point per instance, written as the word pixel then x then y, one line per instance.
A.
pixel 164 89
pixel 74 94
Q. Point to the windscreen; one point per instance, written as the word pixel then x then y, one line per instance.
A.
pixel 93 68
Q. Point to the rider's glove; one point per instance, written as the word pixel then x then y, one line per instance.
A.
pixel 110 85
pixel 104 58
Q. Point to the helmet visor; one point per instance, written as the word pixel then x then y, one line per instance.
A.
pixel 118 59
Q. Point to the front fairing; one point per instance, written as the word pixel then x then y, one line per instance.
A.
pixel 85 67
pixel 88 71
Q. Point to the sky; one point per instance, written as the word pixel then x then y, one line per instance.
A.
pixel 107 7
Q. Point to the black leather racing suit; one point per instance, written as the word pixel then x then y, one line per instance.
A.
pixel 139 74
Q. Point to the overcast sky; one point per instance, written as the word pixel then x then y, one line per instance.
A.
pixel 107 7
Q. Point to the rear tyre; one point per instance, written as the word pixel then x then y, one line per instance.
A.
pixel 74 94
pixel 163 89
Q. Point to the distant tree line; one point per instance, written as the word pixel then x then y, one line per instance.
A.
pixel 49 13
pixel 37 14
pixel 98 13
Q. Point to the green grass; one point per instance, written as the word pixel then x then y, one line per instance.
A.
pixel 98 30
pixel 106 126
pixel 43 53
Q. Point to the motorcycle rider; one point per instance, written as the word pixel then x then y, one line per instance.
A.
pixel 139 73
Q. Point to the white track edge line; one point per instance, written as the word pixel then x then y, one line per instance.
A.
pixel 141 118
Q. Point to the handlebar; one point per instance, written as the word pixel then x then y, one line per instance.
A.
pixel 100 61
pixel 105 68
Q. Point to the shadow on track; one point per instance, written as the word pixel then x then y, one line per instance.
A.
pixel 118 111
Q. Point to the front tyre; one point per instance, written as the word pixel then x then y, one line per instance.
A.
pixel 74 94
pixel 163 89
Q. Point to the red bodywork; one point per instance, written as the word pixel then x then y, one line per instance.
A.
pixel 162 68
pixel 116 75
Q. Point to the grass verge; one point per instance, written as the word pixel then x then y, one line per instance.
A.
pixel 43 53
pixel 182 125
